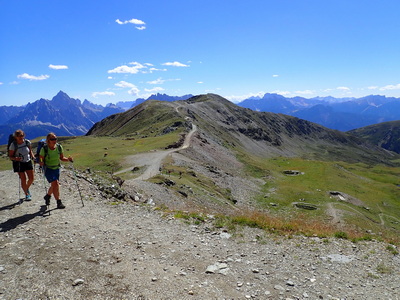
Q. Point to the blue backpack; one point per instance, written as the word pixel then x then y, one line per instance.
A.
pixel 40 145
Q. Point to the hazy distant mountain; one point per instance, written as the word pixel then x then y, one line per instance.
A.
pixel 7 112
pixel 342 114
pixel 385 135
pixel 158 96
pixel 62 115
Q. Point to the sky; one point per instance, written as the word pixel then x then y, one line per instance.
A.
pixel 108 51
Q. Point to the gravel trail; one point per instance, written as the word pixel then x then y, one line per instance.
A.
pixel 131 251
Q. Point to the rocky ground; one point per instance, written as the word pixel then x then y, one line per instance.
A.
pixel 130 250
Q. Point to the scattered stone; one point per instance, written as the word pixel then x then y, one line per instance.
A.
pixel 78 281
pixel 225 235
pixel 290 283
pixel 220 268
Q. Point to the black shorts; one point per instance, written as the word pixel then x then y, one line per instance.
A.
pixel 22 166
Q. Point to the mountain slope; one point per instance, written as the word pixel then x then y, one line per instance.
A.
pixel 385 135
pixel 260 133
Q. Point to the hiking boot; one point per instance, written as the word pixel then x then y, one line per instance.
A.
pixel 60 205
pixel 47 199
pixel 28 197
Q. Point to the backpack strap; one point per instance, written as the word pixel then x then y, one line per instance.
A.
pixel 27 144
pixel 46 150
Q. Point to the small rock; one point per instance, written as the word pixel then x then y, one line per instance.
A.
pixel 78 281
pixel 290 283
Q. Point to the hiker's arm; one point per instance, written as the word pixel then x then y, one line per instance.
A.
pixel 31 153
pixel 41 160
pixel 63 158
pixel 11 156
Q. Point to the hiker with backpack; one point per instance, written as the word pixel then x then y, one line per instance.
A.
pixel 51 154
pixel 20 152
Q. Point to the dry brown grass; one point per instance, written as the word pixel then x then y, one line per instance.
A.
pixel 294 225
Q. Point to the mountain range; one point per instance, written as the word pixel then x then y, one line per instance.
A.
pixel 67 116
pixel 343 114
pixel 62 115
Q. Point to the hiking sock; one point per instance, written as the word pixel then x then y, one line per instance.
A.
pixel 60 205
pixel 47 199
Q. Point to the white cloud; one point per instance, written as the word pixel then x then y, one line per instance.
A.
pixel 200 82
pixel 305 92
pixel 343 88
pixel 131 21
pixel 133 90
pixel 239 98
pixel 109 77
pixel 58 67
pixel 151 70
pixel 106 93
pixel 283 93
pixel 175 64
pixel 1 83
pixel 32 77
pixel 275 75
pixel 157 81
pixel 134 69
pixel 390 87
pixel 124 84
pixel 372 87
pixel 154 90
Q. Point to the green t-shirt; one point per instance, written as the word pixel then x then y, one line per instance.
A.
pixel 52 159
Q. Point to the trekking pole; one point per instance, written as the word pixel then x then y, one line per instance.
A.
pixel 19 184
pixel 76 181
pixel 44 186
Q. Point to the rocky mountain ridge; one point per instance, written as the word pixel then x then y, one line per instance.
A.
pixel 63 115
pixel 260 133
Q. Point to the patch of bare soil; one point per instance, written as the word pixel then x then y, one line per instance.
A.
pixel 131 251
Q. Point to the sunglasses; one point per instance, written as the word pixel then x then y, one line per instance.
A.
pixel 53 139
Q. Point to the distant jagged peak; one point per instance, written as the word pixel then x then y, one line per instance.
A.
pixel 62 98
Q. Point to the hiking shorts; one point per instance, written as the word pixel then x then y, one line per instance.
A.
pixel 52 174
pixel 19 166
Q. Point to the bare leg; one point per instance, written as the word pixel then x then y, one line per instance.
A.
pixel 22 177
pixel 31 178
pixel 55 188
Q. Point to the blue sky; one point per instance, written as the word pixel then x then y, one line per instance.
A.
pixel 119 50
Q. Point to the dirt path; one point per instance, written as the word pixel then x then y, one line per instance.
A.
pixel 128 251
pixel 153 160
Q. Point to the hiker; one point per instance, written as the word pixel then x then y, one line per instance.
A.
pixel 50 156
pixel 20 152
